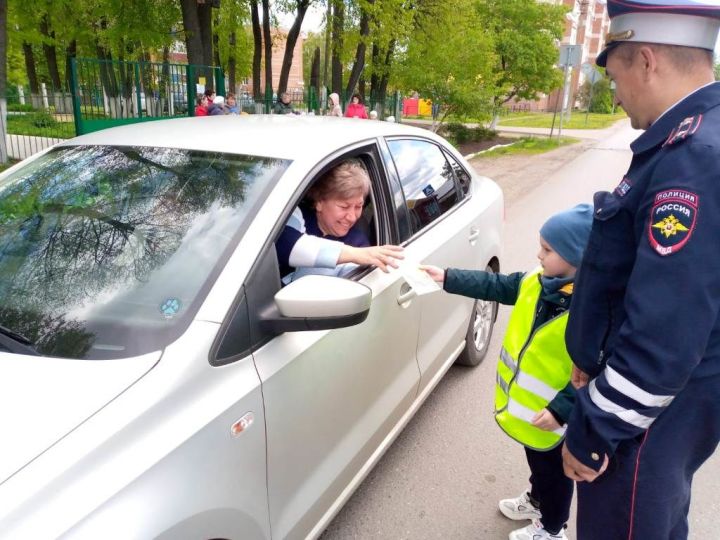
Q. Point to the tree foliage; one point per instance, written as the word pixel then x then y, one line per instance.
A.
pixel 450 60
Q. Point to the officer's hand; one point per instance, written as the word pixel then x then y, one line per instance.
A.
pixel 578 471
pixel 380 256
pixel 579 378
pixel 545 420
pixel 437 274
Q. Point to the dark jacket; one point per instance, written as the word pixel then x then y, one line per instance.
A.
pixel 645 319
pixel 505 289
pixel 283 108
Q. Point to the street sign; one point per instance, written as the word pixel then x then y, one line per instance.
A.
pixel 591 74
pixel 570 55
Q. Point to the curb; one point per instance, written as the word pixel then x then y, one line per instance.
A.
pixel 475 154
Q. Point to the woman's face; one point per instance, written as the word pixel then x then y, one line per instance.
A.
pixel 337 216
pixel 355 100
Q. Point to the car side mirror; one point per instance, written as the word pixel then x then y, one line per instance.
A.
pixel 317 302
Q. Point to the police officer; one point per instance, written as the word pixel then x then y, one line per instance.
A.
pixel 645 325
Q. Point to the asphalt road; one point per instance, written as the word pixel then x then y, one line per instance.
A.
pixel 444 474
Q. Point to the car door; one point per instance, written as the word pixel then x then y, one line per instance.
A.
pixel 447 229
pixel 334 398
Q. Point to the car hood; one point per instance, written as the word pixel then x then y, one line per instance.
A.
pixel 43 399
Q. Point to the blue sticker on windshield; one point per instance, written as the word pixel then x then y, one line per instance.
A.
pixel 170 307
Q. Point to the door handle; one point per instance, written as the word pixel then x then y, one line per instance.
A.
pixel 407 296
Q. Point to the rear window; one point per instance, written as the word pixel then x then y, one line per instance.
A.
pixel 107 252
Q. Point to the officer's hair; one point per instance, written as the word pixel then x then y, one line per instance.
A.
pixel 344 181
pixel 683 59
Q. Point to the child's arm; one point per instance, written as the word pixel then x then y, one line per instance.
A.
pixel 562 404
pixel 478 284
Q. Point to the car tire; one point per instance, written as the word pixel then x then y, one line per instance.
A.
pixel 479 332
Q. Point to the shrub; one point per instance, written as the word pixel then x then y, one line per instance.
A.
pixel 19 107
pixel 458 132
pixel 43 120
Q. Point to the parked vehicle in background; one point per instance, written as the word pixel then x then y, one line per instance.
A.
pixel 157 380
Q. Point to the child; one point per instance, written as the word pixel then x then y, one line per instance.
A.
pixel 533 394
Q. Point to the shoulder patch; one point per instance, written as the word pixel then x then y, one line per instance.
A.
pixel 672 220
pixel 687 128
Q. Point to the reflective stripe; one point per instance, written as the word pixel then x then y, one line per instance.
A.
pixel 536 386
pixel 502 384
pixel 523 413
pixel 624 386
pixel 628 415
pixel 508 360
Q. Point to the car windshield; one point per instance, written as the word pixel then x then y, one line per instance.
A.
pixel 107 252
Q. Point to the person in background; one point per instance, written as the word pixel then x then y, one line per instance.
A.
pixel 283 105
pixel 533 393
pixel 355 108
pixel 231 104
pixel 324 238
pixel 218 107
pixel 373 115
pixel 201 108
pixel 644 328
pixel 334 108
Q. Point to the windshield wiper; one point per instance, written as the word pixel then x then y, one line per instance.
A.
pixel 17 343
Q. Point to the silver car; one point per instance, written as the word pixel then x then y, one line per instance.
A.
pixel 156 381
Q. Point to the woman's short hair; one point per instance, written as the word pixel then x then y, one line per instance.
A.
pixel 344 181
pixel 358 96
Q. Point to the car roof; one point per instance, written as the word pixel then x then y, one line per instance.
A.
pixel 278 136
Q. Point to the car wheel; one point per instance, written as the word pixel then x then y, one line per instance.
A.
pixel 479 332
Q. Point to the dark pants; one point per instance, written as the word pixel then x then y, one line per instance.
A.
pixel 645 493
pixel 550 487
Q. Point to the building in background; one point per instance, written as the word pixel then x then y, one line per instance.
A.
pixel 586 25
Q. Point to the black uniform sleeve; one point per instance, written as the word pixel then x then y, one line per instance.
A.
pixel 671 302
pixel 484 285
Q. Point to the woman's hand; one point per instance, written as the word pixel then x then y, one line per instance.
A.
pixel 435 272
pixel 545 420
pixel 380 256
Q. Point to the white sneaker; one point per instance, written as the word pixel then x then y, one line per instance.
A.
pixel 519 508
pixel 535 531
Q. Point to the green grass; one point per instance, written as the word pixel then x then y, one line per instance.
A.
pixel 530 145
pixel 577 120
pixel 39 126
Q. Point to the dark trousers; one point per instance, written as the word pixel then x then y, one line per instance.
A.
pixel 645 492
pixel 550 487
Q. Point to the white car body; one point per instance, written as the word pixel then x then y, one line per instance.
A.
pixel 171 444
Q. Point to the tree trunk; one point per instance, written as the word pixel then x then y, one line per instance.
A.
pixel 3 80
pixel 204 12
pixel 70 53
pixel 193 36
pixel 50 53
pixel 326 60
pixel 30 68
pixel 292 36
pixel 257 50
pixel 315 80
pixel 232 64
pixel 267 42
pixel 359 63
pixel 337 44
pixel 375 77
pixel 386 72
pixel 216 42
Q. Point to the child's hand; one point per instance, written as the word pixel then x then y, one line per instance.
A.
pixel 545 420
pixel 436 273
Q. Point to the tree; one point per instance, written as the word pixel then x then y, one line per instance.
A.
pixel 602 97
pixel 525 33
pixel 301 7
pixel 717 72
pixel 439 64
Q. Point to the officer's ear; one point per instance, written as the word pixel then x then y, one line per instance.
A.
pixel 646 60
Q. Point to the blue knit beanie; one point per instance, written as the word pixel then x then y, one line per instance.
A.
pixel 567 232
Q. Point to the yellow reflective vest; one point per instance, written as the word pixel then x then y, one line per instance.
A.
pixel 533 367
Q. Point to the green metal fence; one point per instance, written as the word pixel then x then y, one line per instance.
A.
pixel 107 93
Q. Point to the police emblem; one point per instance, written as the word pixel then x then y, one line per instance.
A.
pixel 623 187
pixel 687 128
pixel 672 220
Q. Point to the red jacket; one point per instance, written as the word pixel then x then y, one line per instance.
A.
pixel 356 110
pixel 201 111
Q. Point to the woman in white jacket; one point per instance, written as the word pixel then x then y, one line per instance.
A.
pixel 334 108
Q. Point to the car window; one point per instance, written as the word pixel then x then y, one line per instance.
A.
pixel 107 252
pixel 461 175
pixel 427 179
